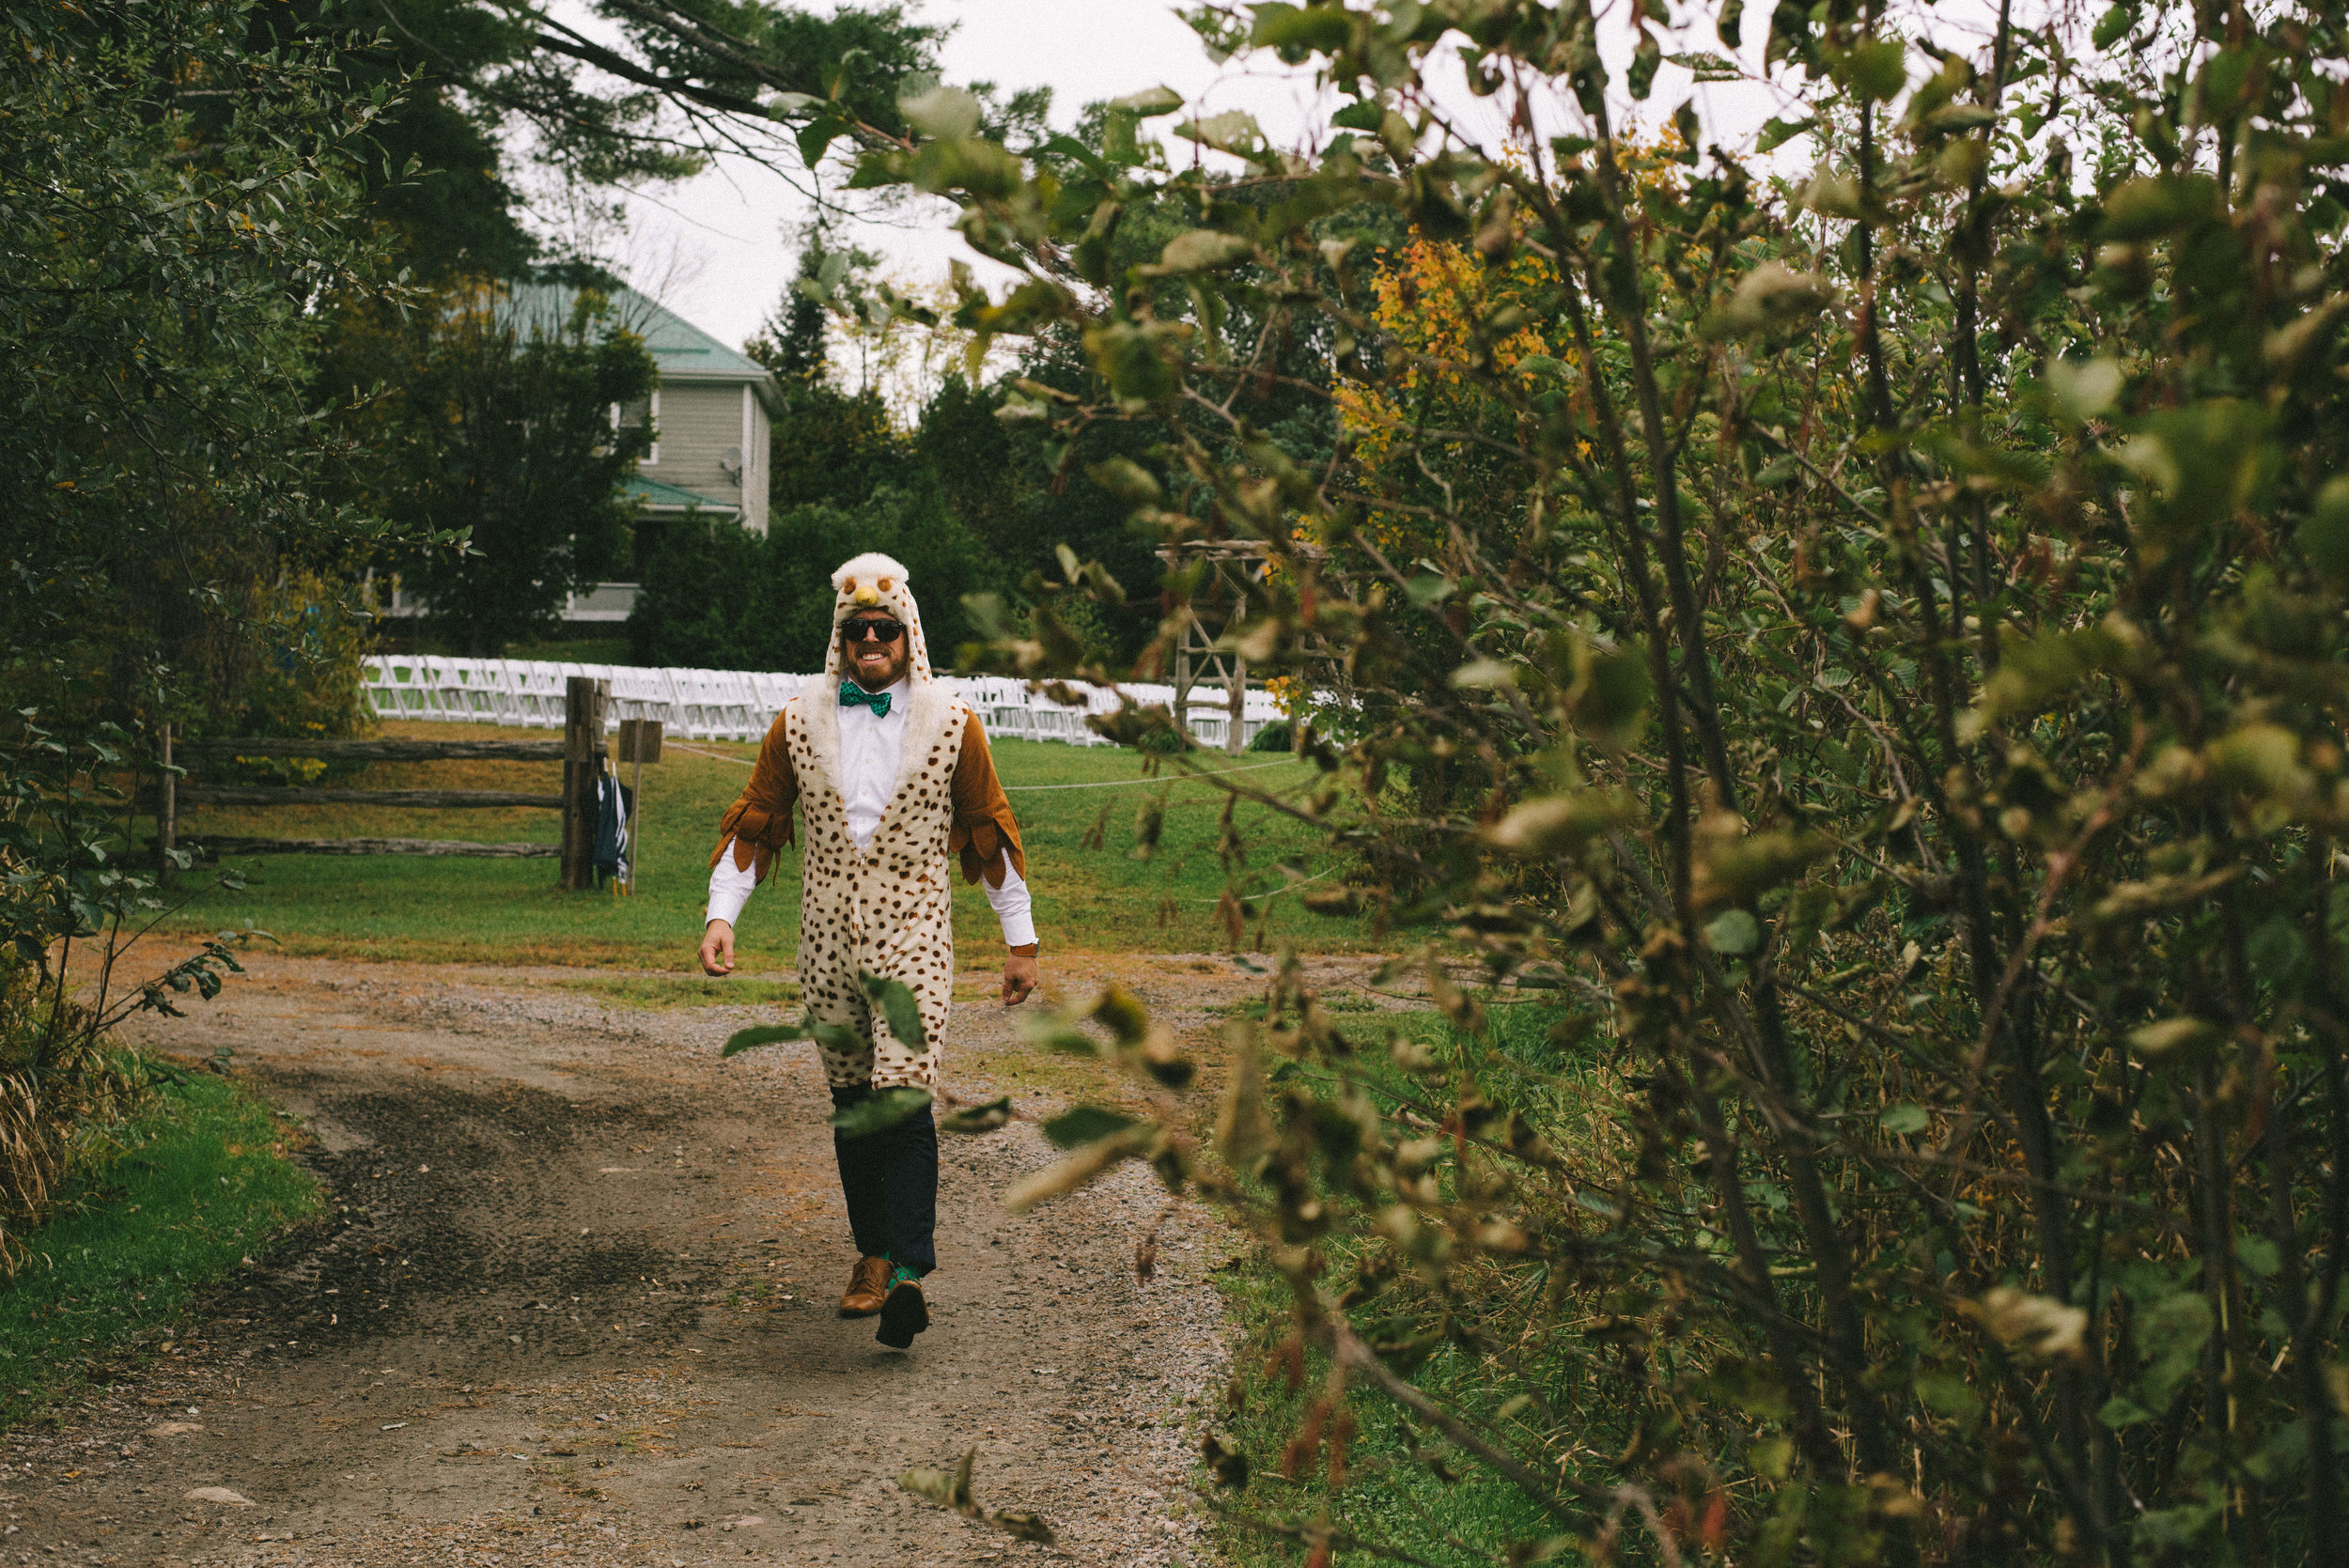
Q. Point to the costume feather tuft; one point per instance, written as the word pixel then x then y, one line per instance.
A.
pixel 867 567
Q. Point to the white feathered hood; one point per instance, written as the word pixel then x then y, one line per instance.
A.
pixel 875 581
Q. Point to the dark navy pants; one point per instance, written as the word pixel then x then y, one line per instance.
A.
pixel 890 1178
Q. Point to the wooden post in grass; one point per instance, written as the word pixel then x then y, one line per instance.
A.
pixel 1235 733
pixel 583 701
pixel 640 743
pixel 166 811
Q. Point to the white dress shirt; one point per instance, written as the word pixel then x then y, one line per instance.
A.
pixel 871 746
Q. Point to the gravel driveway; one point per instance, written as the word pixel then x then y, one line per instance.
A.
pixel 574 1302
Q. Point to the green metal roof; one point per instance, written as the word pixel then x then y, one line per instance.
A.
pixel 654 494
pixel 680 348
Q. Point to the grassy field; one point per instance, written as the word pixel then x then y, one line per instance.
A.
pixel 1463 1513
pixel 200 1180
pixel 410 908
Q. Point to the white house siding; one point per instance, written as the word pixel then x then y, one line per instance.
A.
pixel 754 477
pixel 699 424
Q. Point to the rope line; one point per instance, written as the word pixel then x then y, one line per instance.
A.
pixel 1016 789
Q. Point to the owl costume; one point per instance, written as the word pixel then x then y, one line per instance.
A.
pixel 882 907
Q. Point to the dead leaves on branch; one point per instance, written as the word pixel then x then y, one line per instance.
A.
pixel 951 1489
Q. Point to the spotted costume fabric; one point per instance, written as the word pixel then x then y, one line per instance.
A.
pixel 886 908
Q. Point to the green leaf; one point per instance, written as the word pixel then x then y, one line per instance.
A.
pixel 1733 932
pixel 2156 205
pixel 894 1002
pixel 2114 26
pixel 977 1118
pixel 1202 250
pixel 2175 1039
pixel 1948 1393
pixel 947 1488
pixel 1023 1525
pixel 1906 1120
pixel 2119 1410
pixel 1751 1387
pixel 2081 390
pixel 1134 358
pixel 1149 103
pixel 1608 692
pixel 1777 132
pixel 839 1036
pixel 942 113
pixel 764 1035
pixel 880 1110
pixel 1709 68
pixel 1085 1124
pixel 2172 1332
pixel 1234 130
pixel 1549 824
pixel 1297 31
pixel 817 136
pixel 2323 538
pixel 2034 673
pixel 1645 57
pixel 1876 68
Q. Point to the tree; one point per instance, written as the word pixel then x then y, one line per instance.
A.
pixel 716 596
pixel 830 446
pixel 965 446
pixel 440 181
pixel 506 432
pixel 176 212
pixel 167 256
pixel 1883 636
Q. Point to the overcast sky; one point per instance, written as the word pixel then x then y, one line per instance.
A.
pixel 714 249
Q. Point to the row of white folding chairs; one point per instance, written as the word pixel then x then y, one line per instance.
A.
pixel 738 704
pixel 709 705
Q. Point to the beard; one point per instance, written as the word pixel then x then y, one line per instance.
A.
pixel 875 677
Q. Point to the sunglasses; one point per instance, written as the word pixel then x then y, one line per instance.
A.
pixel 881 631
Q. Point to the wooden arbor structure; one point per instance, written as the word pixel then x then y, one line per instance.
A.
pixel 1219 601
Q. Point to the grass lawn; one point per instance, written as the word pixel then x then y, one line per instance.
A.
pixel 201 1180
pixel 1390 1496
pixel 410 908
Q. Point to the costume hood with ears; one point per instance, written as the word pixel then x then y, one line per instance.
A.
pixel 875 582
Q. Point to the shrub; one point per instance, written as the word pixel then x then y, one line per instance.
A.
pixel 1275 736
pixel 1874 647
pixel 717 597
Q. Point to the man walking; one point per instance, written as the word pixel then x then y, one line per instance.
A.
pixel 890 773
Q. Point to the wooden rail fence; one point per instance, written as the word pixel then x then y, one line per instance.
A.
pixel 579 751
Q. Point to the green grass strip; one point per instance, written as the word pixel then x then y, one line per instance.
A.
pixel 201 1179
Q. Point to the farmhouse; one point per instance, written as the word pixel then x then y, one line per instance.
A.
pixel 711 415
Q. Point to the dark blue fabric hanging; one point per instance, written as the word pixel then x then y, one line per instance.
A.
pixel 613 800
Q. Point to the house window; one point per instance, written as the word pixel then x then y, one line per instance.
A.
pixel 636 416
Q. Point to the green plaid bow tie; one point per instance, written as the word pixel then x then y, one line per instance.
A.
pixel 853 695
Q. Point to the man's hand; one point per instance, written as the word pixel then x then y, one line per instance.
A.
pixel 1020 976
pixel 717 954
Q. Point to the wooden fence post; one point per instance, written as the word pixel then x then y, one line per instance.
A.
pixel 166 814
pixel 1234 735
pixel 640 743
pixel 583 701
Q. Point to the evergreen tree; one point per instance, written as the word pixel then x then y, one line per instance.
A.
pixel 505 430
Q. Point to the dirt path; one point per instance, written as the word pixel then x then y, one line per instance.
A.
pixel 574 1303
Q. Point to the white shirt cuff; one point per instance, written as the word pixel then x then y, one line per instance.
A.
pixel 1010 903
pixel 730 888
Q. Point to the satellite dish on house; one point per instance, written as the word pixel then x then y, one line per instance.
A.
pixel 731 461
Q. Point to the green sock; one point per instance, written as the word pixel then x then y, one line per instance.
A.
pixel 900 1275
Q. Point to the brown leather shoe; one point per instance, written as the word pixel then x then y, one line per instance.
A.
pixel 868 1287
